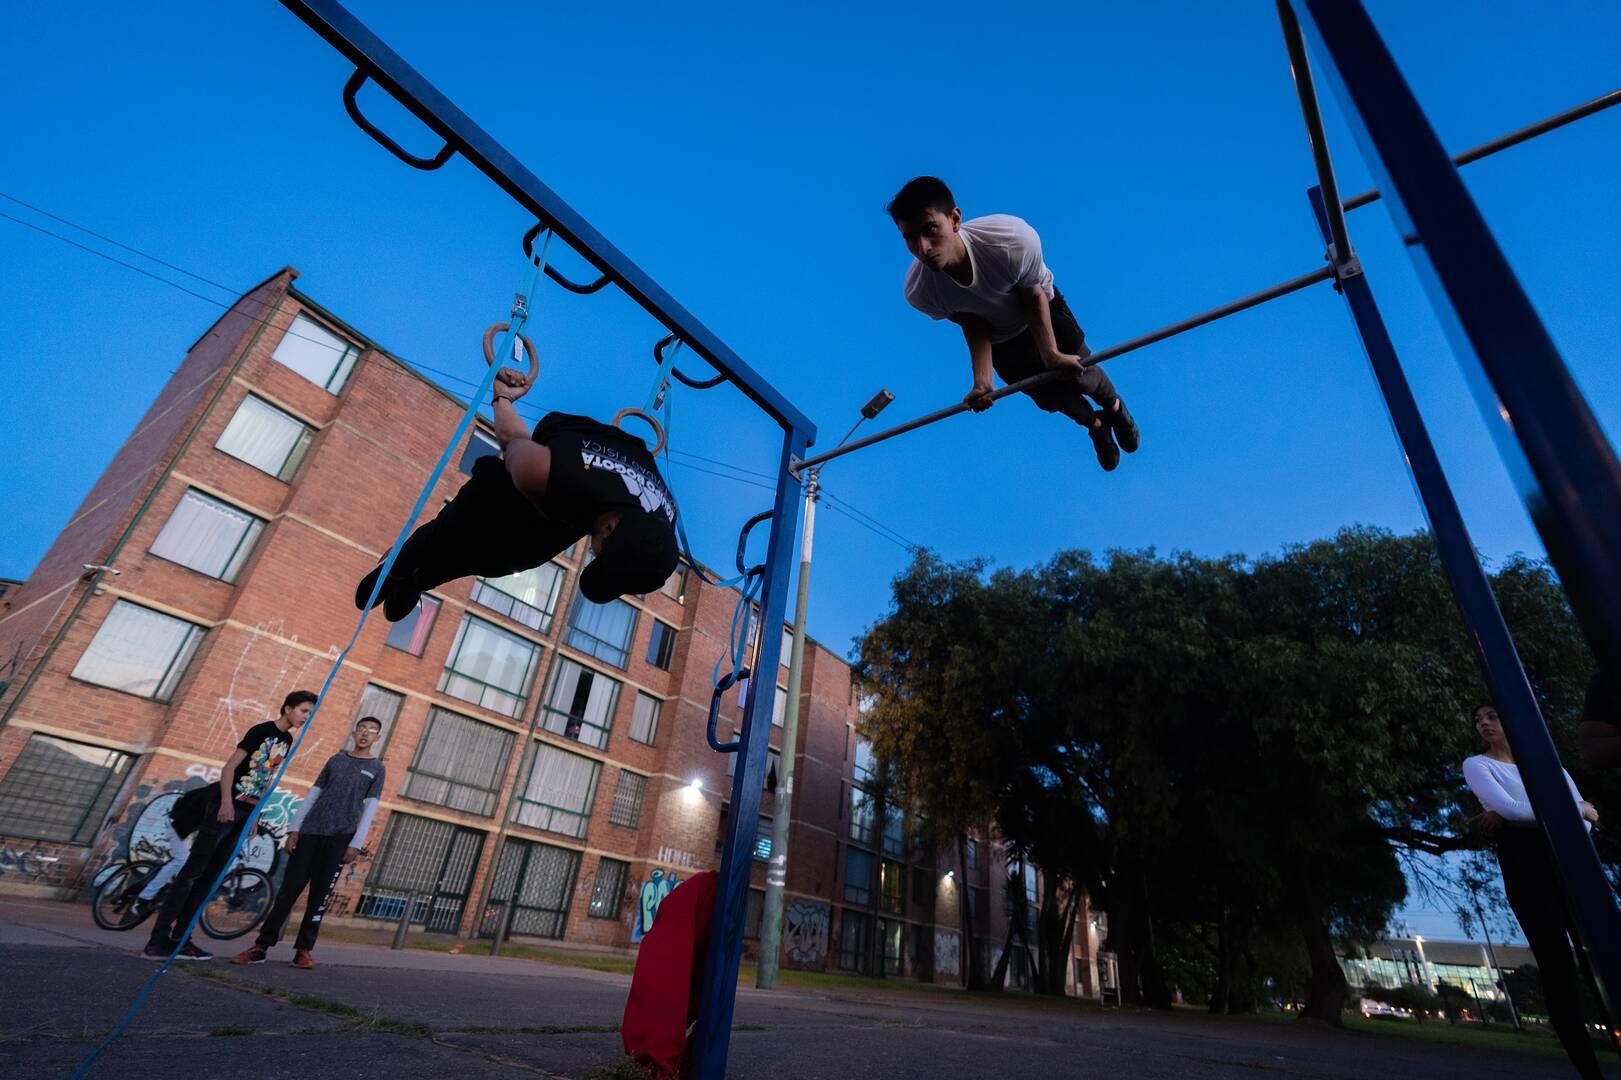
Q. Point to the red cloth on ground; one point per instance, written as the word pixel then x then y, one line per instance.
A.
pixel 663 1003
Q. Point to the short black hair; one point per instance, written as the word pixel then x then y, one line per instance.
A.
pixel 297 698
pixel 1474 716
pixel 370 720
pixel 920 195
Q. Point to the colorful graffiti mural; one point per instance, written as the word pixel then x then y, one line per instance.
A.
pixel 947 954
pixel 658 885
pixel 805 926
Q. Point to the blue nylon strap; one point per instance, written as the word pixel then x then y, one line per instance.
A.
pixel 518 322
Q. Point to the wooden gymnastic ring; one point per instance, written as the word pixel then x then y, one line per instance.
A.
pixel 528 347
pixel 652 423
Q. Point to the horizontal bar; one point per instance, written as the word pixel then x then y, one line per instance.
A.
pixel 1301 66
pixel 1244 303
pixel 389 70
pixel 1513 138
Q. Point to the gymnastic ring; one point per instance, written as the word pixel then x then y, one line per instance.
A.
pixel 528 347
pixel 654 424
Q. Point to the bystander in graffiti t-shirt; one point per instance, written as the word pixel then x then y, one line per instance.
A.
pixel 266 745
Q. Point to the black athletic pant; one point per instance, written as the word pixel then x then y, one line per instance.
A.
pixel 489 529
pixel 190 889
pixel 316 861
pixel 1529 880
pixel 1018 358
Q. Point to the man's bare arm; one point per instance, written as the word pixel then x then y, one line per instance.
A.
pixel 977 333
pixel 1038 313
pixel 528 463
pixel 227 811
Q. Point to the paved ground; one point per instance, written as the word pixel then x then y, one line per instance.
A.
pixel 370 1012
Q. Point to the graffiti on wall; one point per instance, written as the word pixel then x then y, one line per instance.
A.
pixel 648 900
pixel 947 953
pixel 670 856
pixel 28 863
pixel 240 707
pixel 805 934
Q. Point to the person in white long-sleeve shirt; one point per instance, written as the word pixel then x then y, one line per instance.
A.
pixel 1528 874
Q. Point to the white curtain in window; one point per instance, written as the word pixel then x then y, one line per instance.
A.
pixel 610 623
pixel 207 535
pixel 316 353
pixel 261 435
pixel 536 587
pixel 494 656
pixel 601 693
pixel 139 651
pixel 644 722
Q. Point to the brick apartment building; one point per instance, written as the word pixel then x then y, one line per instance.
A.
pixel 546 757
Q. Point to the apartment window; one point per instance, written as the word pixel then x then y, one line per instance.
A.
pixel 754 914
pixel 410 634
pixel 787 647
pixel 382 704
pixel 976 902
pixel 316 353
pixel 603 630
pixel 858 874
pixel 779 707
pixel 609 892
pixel 266 438
pixel 675 586
pixel 581 704
pixel 773 768
pixel 762 834
pixel 458 763
pixel 894 833
pixel 661 645
pixel 922 885
pixel 863 816
pixel 892 887
pixel 864 770
pixel 973 854
pixel 529 596
pixel 855 930
pixel 644 721
pixel 479 445
pixel 139 651
pixel 208 536
pixel 421 856
pixel 627 802
pixel 558 794
pixel 890 933
pixel 60 790
pixel 490 667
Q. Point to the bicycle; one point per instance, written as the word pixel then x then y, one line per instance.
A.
pixel 237 907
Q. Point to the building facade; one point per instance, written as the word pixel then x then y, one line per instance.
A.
pixel 548 773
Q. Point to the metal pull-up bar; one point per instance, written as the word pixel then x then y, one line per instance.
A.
pixel 1243 303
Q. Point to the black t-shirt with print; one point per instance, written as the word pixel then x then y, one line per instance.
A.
pixel 597 468
pixel 266 745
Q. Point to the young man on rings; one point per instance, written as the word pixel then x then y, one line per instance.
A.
pixel 987 276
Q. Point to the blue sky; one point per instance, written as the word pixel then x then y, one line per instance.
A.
pixel 743 157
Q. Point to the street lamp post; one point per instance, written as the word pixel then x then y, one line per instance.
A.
pixel 776 878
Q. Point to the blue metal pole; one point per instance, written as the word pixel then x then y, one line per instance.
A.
pixel 1587 893
pixel 1564 467
pixel 718 992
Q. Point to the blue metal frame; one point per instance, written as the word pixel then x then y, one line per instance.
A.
pixel 1565 469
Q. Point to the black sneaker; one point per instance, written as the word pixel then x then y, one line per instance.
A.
pixel 189 951
pixel 396 595
pixel 156 952
pixel 1103 442
pixel 1125 428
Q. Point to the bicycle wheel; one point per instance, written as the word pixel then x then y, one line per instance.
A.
pixel 240 905
pixel 117 905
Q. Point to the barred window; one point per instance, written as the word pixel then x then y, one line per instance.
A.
pixel 458 763
pixel 608 894
pixel 858 875
pixel 411 633
pixel 490 667
pixel 581 704
pixel 628 795
pixel 60 790
pixel 383 704
pixel 559 791
pixel 418 857
pixel 603 630
pixel 533 889
pixel 644 722
pixel 207 535
pixel 529 596
pixel 661 645
pixel 139 651
pixel 316 353
pixel 266 438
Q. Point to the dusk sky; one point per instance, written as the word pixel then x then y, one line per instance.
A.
pixel 743 158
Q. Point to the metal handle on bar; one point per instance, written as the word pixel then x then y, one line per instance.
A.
pixel 552 271
pixel 743 543
pixel 352 107
pixel 725 684
pixel 697 384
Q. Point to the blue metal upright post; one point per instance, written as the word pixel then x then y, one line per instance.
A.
pixel 1565 468
pixel 718 993
pixel 1587 892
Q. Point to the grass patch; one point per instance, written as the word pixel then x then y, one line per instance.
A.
pixel 610 962
pixel 1498 1037
pixel 532 1029
pixel 229 1030
pixel 354 1020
